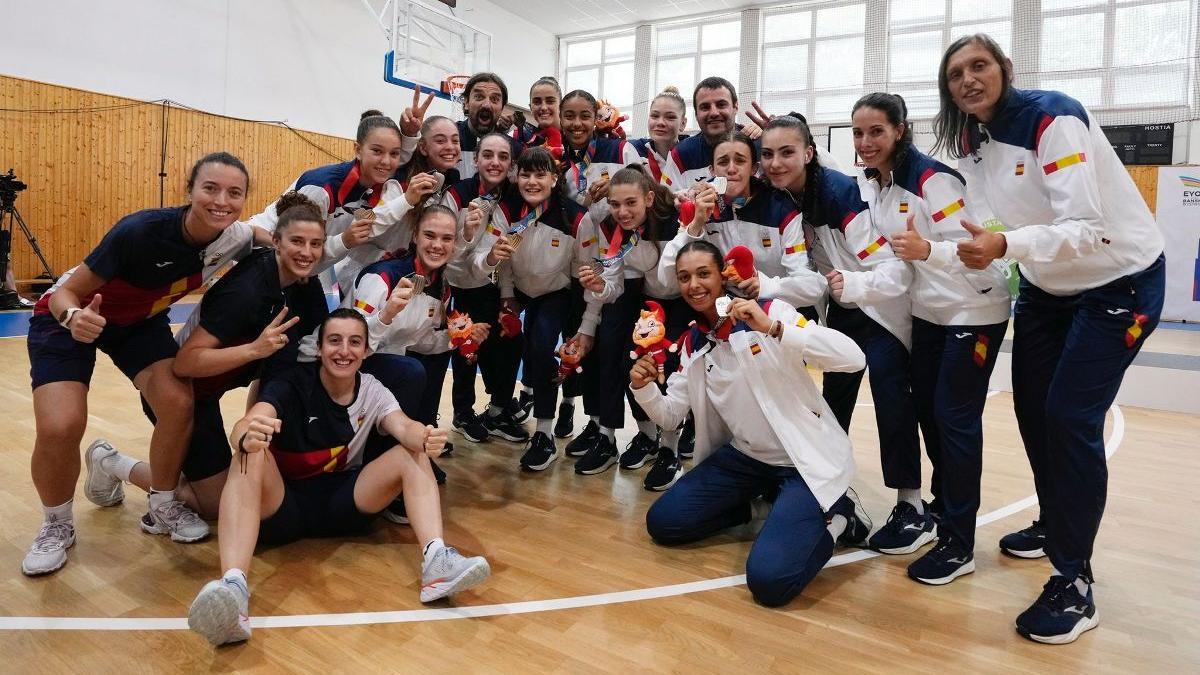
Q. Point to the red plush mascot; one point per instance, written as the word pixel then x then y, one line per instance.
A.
pixel 650 336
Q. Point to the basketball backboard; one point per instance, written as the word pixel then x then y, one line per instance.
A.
pixel 428 45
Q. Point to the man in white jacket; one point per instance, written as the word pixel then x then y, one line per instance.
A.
pixel 761 427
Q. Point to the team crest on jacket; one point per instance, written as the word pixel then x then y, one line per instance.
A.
pixel 1020 170
pixel 904 207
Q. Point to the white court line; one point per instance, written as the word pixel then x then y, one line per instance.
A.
pixel 502 609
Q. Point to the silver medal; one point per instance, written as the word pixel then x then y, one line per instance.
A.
pixel 723 303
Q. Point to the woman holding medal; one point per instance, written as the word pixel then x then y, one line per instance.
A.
pixel 622 274
pixel 477 295
pixel 590 161
pixel 530 245
pixel 744 377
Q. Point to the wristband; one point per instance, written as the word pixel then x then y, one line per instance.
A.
pixel 65 318
pixel 776 330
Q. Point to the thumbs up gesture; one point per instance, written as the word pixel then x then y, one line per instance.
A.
pixel 982 248
pixel 87 324
pixel 909 245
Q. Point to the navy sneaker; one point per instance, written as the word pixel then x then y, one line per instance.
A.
pixel 540 454
pixel 1027 543
pixel 505 426
pixel 638 452
pixel 687 438
pixel 585 439
pixel 565 426
pixel 599 458
pixel 857 526
pixel 943 564
pixel 665 472
pixel 905 531
pixel 470 426
pixel 1060 615
pixel 524 405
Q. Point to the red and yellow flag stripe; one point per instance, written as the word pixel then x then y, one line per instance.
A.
pixel 364 306
pixel 798 248
pixel 949 210
pixel 1063 162
pixel 872 247
pixel 1134 332
pixel 980 355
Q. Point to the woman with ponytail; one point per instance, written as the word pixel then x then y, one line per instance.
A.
pixel 867 286
pixel 667 120
pixel 959 319
pixel 622 271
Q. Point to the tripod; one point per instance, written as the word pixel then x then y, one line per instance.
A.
pixel 10 216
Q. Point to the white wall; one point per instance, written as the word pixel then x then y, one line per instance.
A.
pixel 316 64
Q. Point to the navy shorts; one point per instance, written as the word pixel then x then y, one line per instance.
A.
pixel 55 356
pixel 208 453
pixel 321 506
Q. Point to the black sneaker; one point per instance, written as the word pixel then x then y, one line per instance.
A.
pixel 1060 615
pixel 599 458
pixel 687 438
pixel 1027 543
pixel 504 426
pixel 638 452
pixel 470 426
pixel 905 531
pixel 540 454
pixel 524 405
pixel 585 439
pixel 565 426
pixel 943 564
pixel 664 473
pixel 857 526
pixel 438 474
pixel 395 512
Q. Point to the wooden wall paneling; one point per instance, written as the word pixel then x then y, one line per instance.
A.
pixel 96 158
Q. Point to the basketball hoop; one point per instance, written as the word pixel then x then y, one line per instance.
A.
pixel 454 85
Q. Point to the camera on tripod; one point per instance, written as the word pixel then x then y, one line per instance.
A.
pixel 9 187
pixel 10 219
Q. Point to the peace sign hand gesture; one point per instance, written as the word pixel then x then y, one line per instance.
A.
pixel 274 336
pixel 412 117
pixel 759 116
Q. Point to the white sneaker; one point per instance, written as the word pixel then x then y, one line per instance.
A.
pixel 448 572
pixel 101 487
pixel 176 519
pixel 49 550
pixel 221 613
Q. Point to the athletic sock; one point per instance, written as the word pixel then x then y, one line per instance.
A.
pixel 669 440
pixel 594 418
pixel 238 578
pixel 431 549
pixel 650 429
pixel 837 525
pixel 494 411
pixel 61 513
pixel 526 389
pixel 119 465
pixel 609 433
pixel 912 496
pixel 545 426
pixel 160 497
pixel 1080 584
pixel 569 400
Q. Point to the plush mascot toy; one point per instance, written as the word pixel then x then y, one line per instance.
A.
pixel 569 358
pixel 551 139
pixel 608 120
pixel 650 337
pixel 739 266
pixel 510 323
pixel 459 327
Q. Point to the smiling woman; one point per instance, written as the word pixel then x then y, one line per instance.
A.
pixel 115 301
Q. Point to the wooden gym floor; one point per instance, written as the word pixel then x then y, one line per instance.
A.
pixel 578 587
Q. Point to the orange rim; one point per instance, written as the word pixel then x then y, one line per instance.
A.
pixel 454 84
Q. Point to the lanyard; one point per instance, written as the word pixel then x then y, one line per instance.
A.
pixel 529 219
pixel 584 163
pixel 612 257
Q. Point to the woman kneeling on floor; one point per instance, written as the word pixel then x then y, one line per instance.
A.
pixel 761 428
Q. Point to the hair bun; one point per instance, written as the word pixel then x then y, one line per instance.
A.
pixel 292 199
pixel 370 113
pixel 671 89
